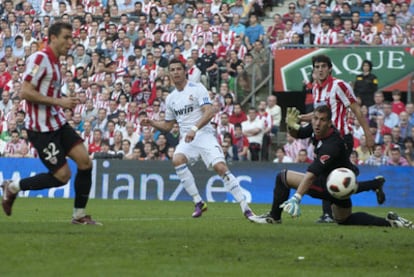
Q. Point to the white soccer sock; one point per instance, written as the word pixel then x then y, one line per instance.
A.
pixel 15 186
pixel 187 180
pixel 233 186
pixel 78 213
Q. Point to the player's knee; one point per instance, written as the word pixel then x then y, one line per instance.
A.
pixel 179 160
pixel 340 214
pixel 63 174
pixel 221 168
pixel 85 163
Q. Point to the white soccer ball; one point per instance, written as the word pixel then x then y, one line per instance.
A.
pixel 341 183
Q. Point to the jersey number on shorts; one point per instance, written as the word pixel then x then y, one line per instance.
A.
pixel 51 152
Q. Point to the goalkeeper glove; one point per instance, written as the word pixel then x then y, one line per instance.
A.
pixel 292 118
pixel 291 206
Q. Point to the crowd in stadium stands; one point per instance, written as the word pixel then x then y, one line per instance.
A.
pixel 118 68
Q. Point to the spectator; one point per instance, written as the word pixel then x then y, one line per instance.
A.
pixel 410 111
pixel 404 125
pixel 292 147
pixel 409 150
pixel 326 36
pixel 87 134
pixel 267 118
pixel 390 119
pixel 378 107
pixel 254 32
pixel 241 142
pixel 363 150
pixel 307 37
pixel 95 146
pixel 377 158
pixel 396 159
pixel 238 115
pixel 253 129
pixel 16 147
pixel 397 105
pixel 303 157
pixel 366 84
pixel 237 27
pixel 281 156
pixel 275 112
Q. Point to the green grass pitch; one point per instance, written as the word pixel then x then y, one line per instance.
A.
pixel 159 238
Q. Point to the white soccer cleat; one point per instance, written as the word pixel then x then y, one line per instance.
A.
pixel 399 222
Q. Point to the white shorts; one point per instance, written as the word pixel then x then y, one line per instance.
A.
pixel 204 145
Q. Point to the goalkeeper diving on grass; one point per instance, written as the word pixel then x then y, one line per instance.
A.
pixel 330 153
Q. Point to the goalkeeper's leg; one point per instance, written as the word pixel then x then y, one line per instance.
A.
pixel 344 216
pixel 280 194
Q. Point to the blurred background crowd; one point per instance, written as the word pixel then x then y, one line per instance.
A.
pixel 118 68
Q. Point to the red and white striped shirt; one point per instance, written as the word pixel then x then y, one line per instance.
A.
pixel 43 72
pixel 228 38
pixel 338 95
pixel 241 51
pixel 328 38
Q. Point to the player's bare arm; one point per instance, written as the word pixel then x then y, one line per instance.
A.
pixel 356 109
pixel 208 113
pixel 164 126
pixel 30 93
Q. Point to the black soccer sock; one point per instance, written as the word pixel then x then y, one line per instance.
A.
pixel 83 183
pixel 40 181
pixel 280 195
pixel 365 219
pixel 368 185
pixel 326 207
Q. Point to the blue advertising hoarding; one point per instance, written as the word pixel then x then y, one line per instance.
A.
pixel 156 180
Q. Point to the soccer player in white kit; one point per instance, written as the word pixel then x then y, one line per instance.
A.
pixel 189 105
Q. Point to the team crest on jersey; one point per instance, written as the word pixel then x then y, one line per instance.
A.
pixel 35 69
pixel 324 158
pixel 191 98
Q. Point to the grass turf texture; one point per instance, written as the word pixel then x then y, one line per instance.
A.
pixel 159 238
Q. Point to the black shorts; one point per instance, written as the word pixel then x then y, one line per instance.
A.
pixel 318 190
pixel 53 147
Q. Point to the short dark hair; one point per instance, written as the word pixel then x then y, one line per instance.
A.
pixel 324 109
pixel 56 28
pixel 173 61
pixel 321 59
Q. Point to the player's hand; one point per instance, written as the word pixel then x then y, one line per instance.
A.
pixel 291 206
pixel 189 137
pixel 292 118
pixel 68 102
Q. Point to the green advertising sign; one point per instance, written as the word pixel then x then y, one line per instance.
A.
pixel 390 65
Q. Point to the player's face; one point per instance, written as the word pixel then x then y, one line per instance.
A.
pixel 322 71
pixel 177 73
pixel 63 42
pixel 320 124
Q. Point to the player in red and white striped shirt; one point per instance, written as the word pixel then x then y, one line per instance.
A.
pixel 47 129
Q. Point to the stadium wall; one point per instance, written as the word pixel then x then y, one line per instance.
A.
pixel 156 180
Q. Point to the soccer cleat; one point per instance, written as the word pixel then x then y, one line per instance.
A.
pixel 379 191
pixel 264 219
pixel 326 218
pixel 86 220
pixel 8 197
pixel 399 222
pixel 199 208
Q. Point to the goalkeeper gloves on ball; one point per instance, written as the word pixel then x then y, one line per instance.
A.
pixel 291 206
pixel 292 118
